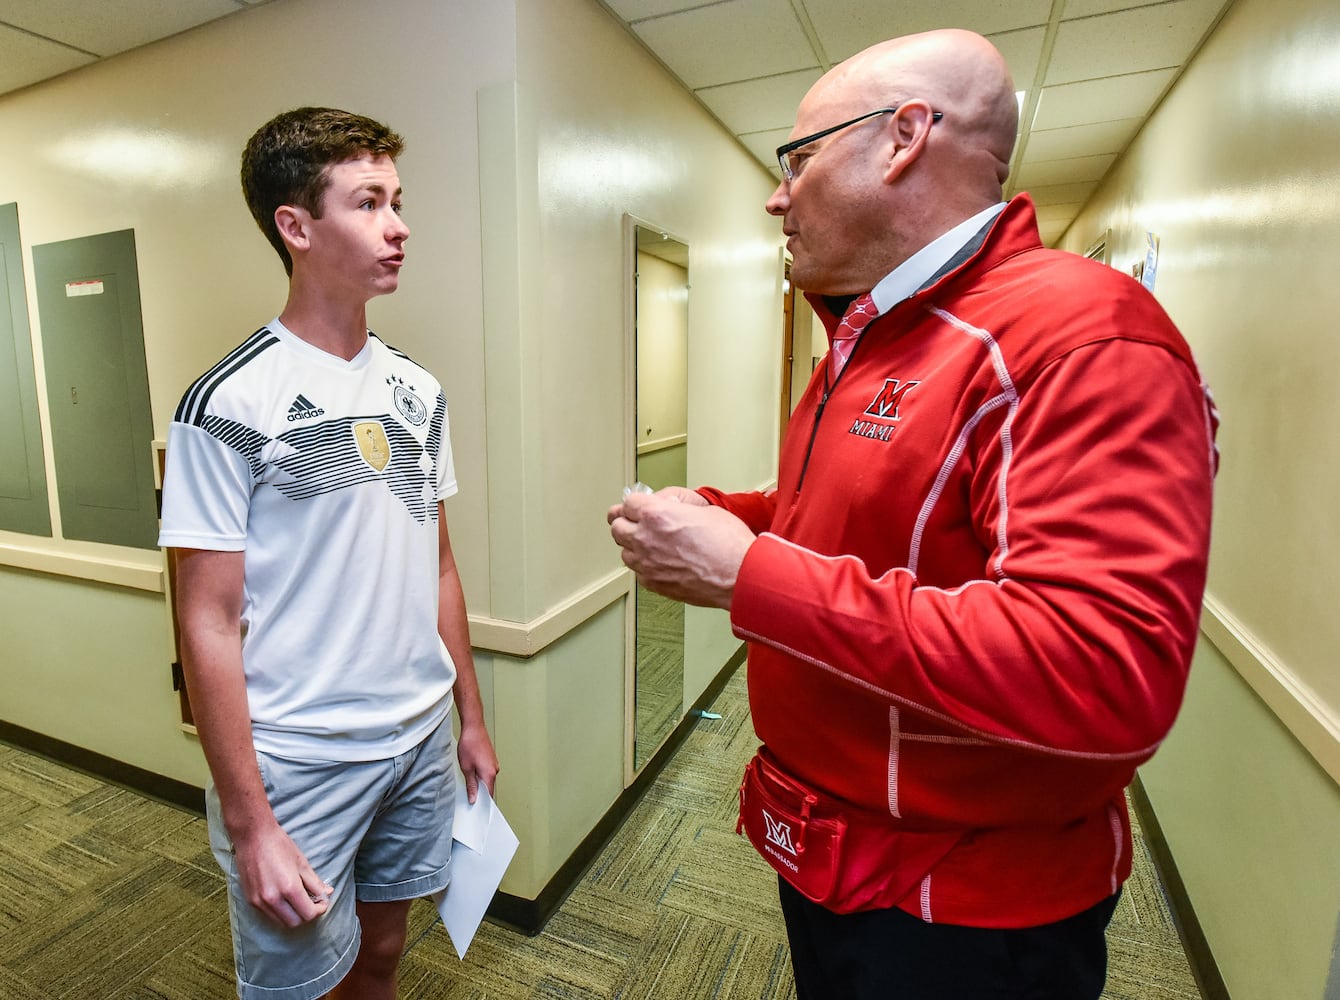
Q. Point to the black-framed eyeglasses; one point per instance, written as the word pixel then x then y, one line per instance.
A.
pixel 791 168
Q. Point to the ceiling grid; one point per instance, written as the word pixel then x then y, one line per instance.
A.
pixel 1090 71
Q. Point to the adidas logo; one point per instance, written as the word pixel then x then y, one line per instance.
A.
pixel 303 409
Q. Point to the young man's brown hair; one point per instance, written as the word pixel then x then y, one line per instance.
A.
pixel 286 161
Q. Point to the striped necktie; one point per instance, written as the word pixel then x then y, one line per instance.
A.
pixel 854 320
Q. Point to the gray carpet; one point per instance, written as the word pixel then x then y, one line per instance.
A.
pixel 660 671
pixel 106 894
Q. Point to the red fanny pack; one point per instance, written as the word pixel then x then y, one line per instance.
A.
pixel 843 858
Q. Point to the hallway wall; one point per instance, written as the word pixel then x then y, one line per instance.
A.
pixel 1238 174
pixel 532 127
pixel 615 135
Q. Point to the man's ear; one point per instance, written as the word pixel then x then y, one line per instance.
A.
pixel 292 224
pixel 909 129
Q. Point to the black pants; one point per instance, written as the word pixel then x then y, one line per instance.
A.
pixel 891 955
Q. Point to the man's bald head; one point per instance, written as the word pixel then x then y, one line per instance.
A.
pixel 959 73
pixel 864 197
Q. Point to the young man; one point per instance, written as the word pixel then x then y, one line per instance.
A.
pixel 323 627
pixel 972 599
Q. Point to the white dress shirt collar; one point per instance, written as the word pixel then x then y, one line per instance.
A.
pixel 908 277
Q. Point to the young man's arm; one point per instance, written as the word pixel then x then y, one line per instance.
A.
pixel 478 760
pixel 275 875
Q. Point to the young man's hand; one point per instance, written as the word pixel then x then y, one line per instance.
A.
pixel 277 879
pixel 478 760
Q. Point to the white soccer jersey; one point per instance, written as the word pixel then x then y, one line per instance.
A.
pixel 327 474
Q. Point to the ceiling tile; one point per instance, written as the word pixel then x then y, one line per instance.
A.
pixel 1081 140
pixel 1072 171
pixel 1088 8
pixel 764 146
pixel 1061 194
pixel 633 10
pixel 108 28
pixel 845 27
pixel 735 40
pixel 1022 51
pixel 1111 99
pixel 755 105
pixel 29 59
pixel 1048 214
pixel 1052 231
pixel 1130 41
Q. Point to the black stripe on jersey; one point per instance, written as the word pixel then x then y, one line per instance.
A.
pixel 239 437
pixel 433 445
pixel 196 398
pixel 324 458
pixel 195 387
pixel 399 353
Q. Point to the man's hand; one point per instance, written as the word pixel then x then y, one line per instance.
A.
pixel 680 546
pixel 277 879
pixel 478 760
pixel 677 493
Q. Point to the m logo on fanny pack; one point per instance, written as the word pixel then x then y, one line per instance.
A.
pixel 779 833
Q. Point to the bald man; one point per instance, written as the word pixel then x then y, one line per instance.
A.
pixel 972 599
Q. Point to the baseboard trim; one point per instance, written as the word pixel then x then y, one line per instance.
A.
pixel 1194 943
pixel 529 916
pixel 156 786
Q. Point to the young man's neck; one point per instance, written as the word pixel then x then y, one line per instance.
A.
pixel 335 326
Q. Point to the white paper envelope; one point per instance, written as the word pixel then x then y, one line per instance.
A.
pixel 471 824
pixel 482 847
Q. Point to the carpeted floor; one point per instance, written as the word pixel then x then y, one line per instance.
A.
pixel 105 894
pixel 660 672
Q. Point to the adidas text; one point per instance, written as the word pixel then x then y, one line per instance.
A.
pixel 303 409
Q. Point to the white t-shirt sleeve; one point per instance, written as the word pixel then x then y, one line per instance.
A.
pixel 446 467
pixel 206 493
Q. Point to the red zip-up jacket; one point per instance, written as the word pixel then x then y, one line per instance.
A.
pixel 975 592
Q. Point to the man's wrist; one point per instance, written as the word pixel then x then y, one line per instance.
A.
pixel 248 826
pixel 471 720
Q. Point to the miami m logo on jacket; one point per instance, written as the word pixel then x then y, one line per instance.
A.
pixel 885 405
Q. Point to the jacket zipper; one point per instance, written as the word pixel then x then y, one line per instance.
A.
pixel 814 432
pixel 937 281
pixel 823 402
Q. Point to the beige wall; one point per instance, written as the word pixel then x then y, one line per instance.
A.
pixel 516 184
pixel 601 132
pixel 614 137
pixel 1254 825
pixel 1238 174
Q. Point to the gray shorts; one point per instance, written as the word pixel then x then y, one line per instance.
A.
pixel 377 831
